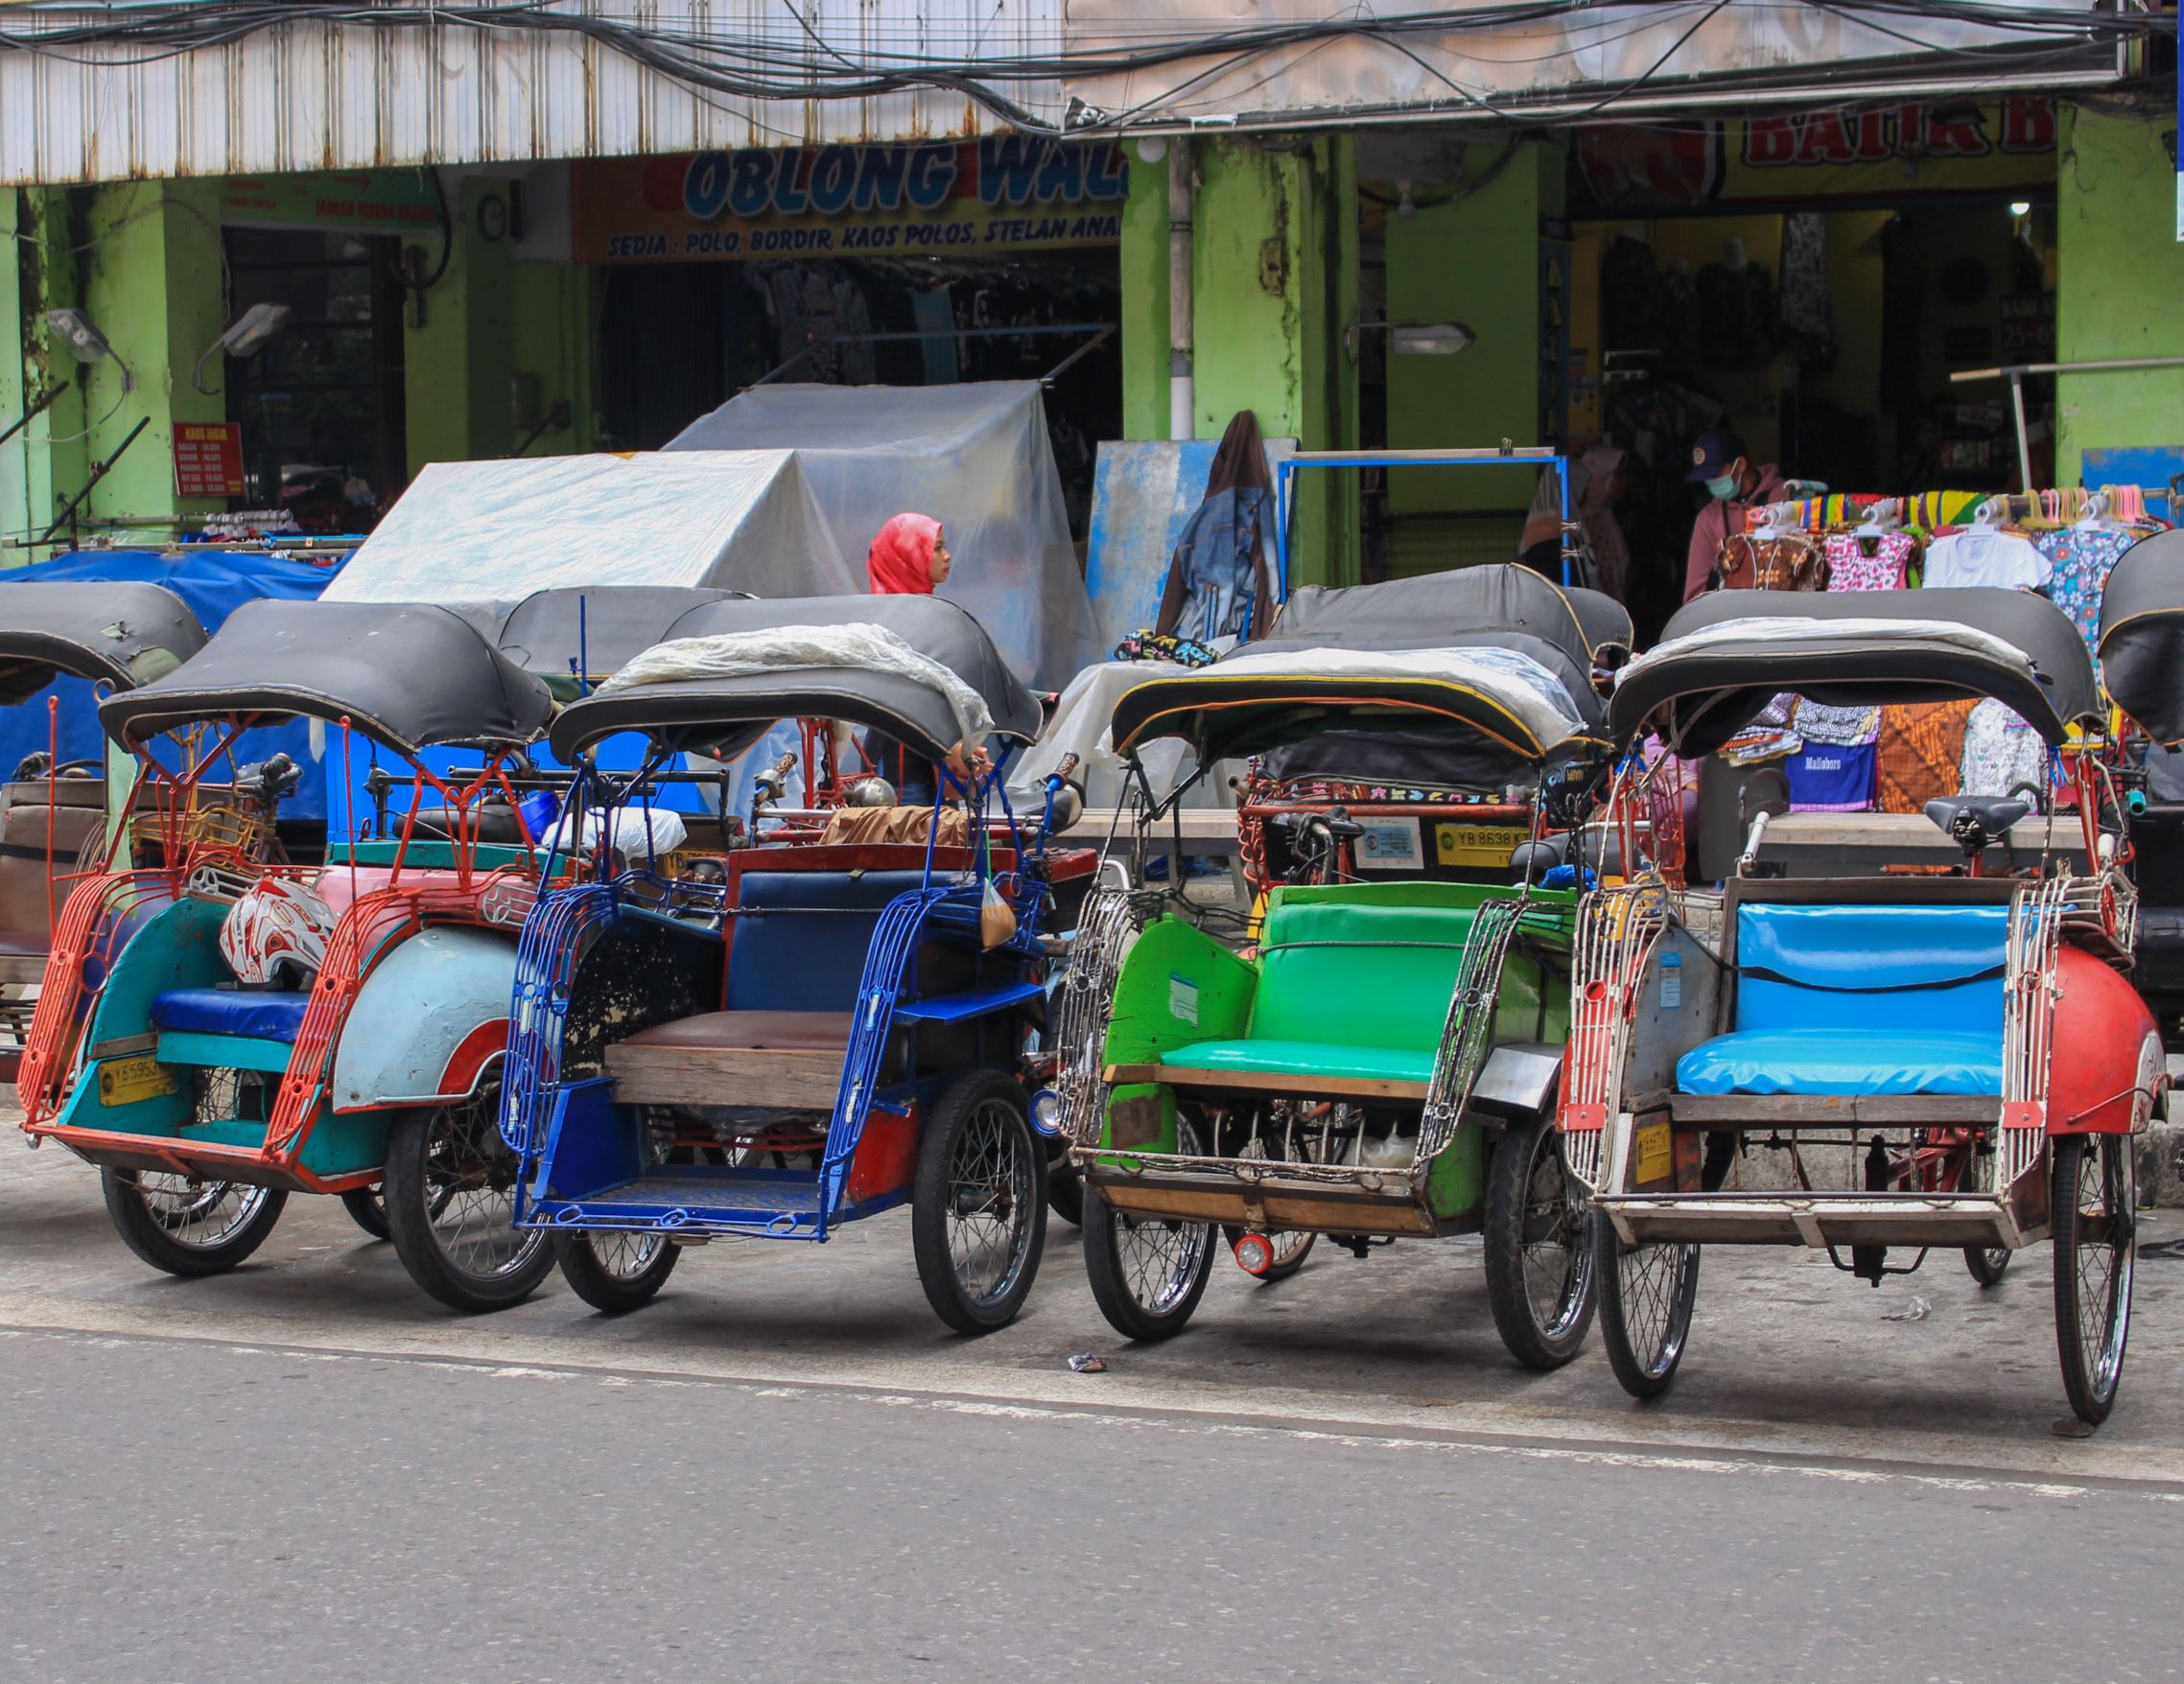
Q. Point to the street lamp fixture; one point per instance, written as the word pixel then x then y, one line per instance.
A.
pixel 246 334
pixel 86 342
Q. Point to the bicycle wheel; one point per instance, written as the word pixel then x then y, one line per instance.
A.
pixel 979 1209
pixel 1539 1256
pixel 1646 1296
pixel 2092 1195
pixel 188 1226
pixel 615 1271
pixel 1987 1264
pixel 1147 1272
pixel 367 1209
pixel 450 1198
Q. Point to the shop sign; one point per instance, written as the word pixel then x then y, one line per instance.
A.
pixel 2028 327
pixel 376 202
pixel 208 459
pixel 1847 157
pixel 1005 193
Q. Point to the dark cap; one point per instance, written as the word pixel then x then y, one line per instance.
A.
pixel 1713 455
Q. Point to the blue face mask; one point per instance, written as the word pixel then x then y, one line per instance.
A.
pixel 1723 488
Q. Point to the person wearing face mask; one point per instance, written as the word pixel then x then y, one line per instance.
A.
pixel 1734 487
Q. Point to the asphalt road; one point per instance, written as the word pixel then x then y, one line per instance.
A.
pixel 305 1470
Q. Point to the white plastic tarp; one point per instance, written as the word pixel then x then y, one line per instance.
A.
pixel 976 457
pixel 478 537
pixel 1082 726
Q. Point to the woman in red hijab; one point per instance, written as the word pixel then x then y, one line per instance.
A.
pixel 908 557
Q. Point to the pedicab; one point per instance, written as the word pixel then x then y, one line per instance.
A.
pixel 53 811
pixel 1380 1059
pixel 272 1029
pixel 798 1035
pixel 1873 1065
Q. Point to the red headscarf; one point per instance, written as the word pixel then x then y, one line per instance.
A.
pixel 900 562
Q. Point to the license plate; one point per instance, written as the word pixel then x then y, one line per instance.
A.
pixel 125 1081
pixel 1475 845
pixel 1388 845
pixel 1657 1154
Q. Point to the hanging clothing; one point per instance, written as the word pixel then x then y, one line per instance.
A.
pixel 1596 513
pixel 1218 582
pixel 1845 727
pixel 2079 560
pixel 1984 556
pixel 1852 567
pixel 2001 752
pixel 1716 522
pixel 1921 754
pixel 1831 778
pixel 1789 562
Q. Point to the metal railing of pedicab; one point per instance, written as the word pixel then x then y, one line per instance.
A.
pixel 1467 1039
pixel 2037 916
pixel 1618 932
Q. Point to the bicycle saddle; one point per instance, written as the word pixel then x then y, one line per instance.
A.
pixel 1974 820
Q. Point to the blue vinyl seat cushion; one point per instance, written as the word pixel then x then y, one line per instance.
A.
pixel 263 1013
pixel 1876 1000
pixel 1830 1062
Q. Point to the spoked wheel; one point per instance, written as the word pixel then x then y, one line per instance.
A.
pixel 1147 1272
pixel 450 1198
pixel 1646 1294
pixel 1986 1264
pixel 2093 1197
pixel 367 1209
pixel 615 1272
pixel 978 1210
pixel 1539 1260
pixel 188 1226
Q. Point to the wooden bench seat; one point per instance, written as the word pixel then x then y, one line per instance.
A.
pixel 791 1059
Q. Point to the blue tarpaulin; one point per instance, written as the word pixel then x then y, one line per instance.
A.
pixel 214 583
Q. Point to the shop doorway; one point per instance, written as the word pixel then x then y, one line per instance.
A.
pixel 322 406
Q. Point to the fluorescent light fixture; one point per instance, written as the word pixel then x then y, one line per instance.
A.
pixel 2022 207
pixel 248 333
pixel 86 342
pixel 1432 339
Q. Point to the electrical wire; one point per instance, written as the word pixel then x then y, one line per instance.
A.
pixel 759 67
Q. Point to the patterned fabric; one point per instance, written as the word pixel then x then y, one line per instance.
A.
pixel 1931 510
pixel 2081 561
pixel 1790 562
pixel 1923 753
pixel 1845 727
pixel 1831 778
pixel 1148 645
pixel 2001 752
pixel 1851 568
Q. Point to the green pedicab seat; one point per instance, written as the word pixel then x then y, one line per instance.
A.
pixel 1346 990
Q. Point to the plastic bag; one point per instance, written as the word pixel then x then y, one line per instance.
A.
pixel 996 922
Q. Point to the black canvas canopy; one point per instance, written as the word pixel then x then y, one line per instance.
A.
pixel 2142 634
pixel 1723 658
pixel 409 675
pixel 725 714
pixel 1420 613
pixel 601 624
pixel 122 633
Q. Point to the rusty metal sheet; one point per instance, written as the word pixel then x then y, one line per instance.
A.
pixel 1569 65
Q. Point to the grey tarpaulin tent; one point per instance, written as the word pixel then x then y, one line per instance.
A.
pixel 478 537
pixel 976 457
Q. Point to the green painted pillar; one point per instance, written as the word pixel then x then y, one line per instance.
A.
pixel 553 353
pixel 148 276
pixel 1145 313
pixel 2120 270
pixel 1275 291
pixel 1472 259
pixel 14 381
pixel 458 364
pixel 49 450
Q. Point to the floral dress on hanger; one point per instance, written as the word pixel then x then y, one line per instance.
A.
pixel 1851 567
pixel 2082 558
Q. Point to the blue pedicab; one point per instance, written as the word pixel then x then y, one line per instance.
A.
pixel 787 1038
pixel 1888 1063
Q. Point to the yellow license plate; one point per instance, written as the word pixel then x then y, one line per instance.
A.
pixel 1657 1154
pixel 125 1081
pixel 1472 845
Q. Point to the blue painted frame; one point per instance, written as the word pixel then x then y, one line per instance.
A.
pixel 1525 455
